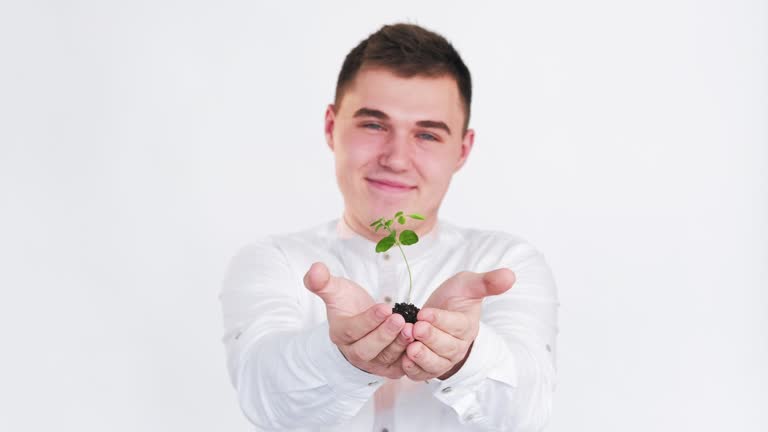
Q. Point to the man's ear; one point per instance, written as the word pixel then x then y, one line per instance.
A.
pixel 466 147
pixel 330 121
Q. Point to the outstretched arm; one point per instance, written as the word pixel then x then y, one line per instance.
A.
pixel 287 375
pixel 496 363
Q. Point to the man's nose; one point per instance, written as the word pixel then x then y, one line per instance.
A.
pixel 397 153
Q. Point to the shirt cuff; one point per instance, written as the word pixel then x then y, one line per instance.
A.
pixel 341 375
pixel 489 358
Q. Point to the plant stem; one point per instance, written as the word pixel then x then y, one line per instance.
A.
pixel 410 278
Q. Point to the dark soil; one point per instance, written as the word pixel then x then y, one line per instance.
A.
pixel 407 310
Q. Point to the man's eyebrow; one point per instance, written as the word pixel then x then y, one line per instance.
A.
pixel 369 112
pixel 434 124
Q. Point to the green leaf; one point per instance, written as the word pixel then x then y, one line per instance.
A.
pixel 401 219
pixel 384 244
pixel 377 228
pixel 388 223
pixel 398 214
pixel 375 222
pixel 416 216
pixel 408 237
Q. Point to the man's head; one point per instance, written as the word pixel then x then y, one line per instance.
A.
pixel 407 50
pixel 400 117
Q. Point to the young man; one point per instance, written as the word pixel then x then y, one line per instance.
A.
pixel 312 343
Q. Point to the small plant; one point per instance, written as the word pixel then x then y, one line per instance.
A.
pixel 406 238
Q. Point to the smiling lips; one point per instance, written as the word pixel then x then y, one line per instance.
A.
pixel 390 185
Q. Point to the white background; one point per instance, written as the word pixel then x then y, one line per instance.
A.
pixel 143 142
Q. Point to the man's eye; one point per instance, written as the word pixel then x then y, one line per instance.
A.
pixel 428 137
pixel 373 126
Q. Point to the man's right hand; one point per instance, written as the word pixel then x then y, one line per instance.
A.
pixel 369 335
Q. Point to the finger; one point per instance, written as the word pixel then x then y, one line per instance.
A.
pixel 427 360
pixel 393 371
pixel 413 371
pixel 454 323
pixel 498 281
pixel 392 353
pixel 318 280
pixel 346 331
pixel 370 345
pixel 440 342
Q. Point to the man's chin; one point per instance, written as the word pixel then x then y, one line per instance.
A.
pixel 388 208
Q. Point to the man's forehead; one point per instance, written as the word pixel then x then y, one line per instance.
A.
pixel 375 81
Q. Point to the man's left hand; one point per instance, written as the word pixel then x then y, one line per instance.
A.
pixel 448 324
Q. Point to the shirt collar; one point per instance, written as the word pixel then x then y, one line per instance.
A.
pixel 352 241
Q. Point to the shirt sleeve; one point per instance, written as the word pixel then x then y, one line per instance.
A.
pixel 508 380
pixel 286 375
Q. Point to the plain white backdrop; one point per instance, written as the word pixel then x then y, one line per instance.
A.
pixel 143 142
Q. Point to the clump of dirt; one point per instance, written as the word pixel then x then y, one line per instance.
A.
pixel 407 310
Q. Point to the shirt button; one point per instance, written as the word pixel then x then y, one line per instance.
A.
pixel 446 390
pixel 386 257
pixel 388 299
pixel 549 348
pixel 385 430
pixel 469 416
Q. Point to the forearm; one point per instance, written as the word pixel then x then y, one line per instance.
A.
pixel 508 380
pixel 287 375
pixel 299 379
pixel 504 385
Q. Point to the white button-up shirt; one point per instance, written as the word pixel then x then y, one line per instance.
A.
pixel 290 376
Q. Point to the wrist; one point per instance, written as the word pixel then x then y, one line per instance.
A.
pixel 458 365
pixel 345 358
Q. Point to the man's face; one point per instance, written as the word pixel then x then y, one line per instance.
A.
pixel 397 143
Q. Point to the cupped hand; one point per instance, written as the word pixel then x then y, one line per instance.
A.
pixel 368 335
pixel 448 324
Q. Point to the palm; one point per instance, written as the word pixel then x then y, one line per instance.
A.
pixel 352 299
pixel 465 291
pixel 453 295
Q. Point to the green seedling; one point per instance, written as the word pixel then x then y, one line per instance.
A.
pixel 406 238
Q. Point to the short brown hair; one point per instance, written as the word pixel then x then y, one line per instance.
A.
pixel 407 50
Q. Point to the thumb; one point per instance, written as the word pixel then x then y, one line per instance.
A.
pixel 318 280
pixel 491 283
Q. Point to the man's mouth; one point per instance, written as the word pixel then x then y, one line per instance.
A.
pixel 389 185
